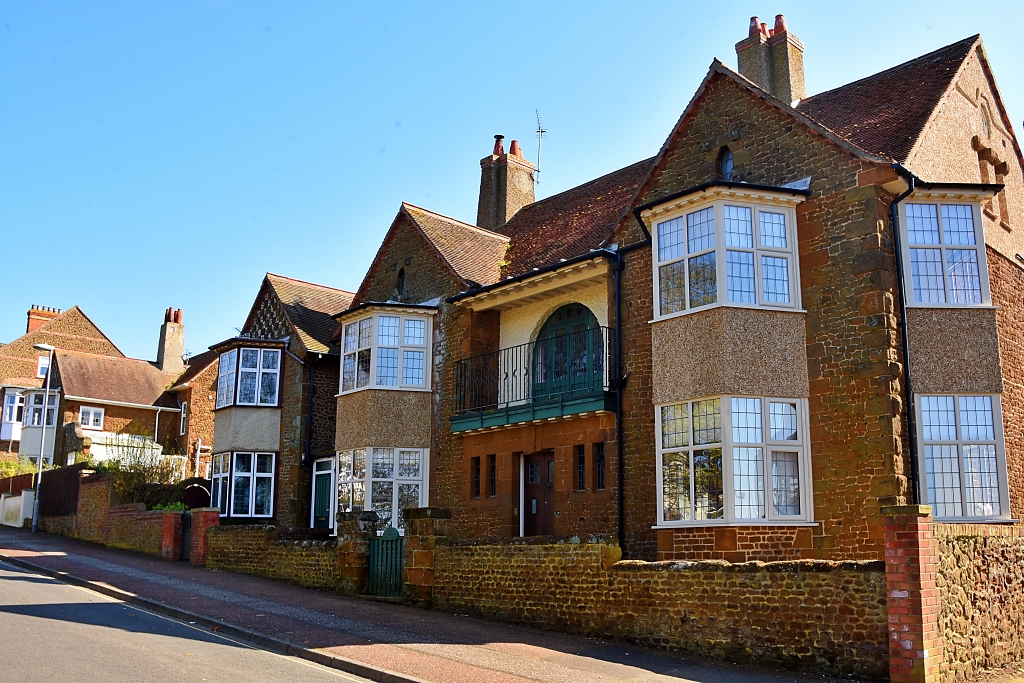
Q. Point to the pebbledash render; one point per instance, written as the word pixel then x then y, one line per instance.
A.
pixel 704 353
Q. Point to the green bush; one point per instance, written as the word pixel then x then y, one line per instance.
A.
pixel 12 468
pixel 170 506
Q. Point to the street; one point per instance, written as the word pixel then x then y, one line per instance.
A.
pixel 54 632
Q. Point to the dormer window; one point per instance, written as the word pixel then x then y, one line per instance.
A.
pixel 725 164
pixel 385 350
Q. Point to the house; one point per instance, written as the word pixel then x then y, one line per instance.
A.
pixel 196 391
pixel 274 405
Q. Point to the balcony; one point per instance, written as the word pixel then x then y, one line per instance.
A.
pixel 560 375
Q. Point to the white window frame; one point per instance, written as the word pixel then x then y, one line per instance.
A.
pixel 32 409
pixel 332 468
pixel 227 374
pixel 11 404
pixel 367 479
pixel 220 476
pixel 92 411
pixel 938 200
pixel 184 418
pixel 252 476
pixel 959 442
pixel 259 371
pixel 42 365
pixel 717 200
pixel 352 348
pixel 801 446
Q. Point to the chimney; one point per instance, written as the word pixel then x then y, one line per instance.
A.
pixel 506 185
pixel 172 343
pixel 39 315
pixel 773 59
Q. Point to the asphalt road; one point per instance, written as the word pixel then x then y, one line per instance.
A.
pixel 51 632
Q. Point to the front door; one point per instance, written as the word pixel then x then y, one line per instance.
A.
pixel 323 486
pixel 538 494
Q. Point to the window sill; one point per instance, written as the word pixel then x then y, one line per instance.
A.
pixel 246 405
pixel 975 520
pixel 409 388
pixel 982 307
pixel 712 523
pixel 679 314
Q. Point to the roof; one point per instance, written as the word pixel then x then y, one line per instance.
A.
pixel 196 365
pixel 573 222
pixel 310 308
pixel 886 113
pixel 476 255
pixel 109 378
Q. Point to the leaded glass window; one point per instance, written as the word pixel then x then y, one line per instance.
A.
pixel 945 254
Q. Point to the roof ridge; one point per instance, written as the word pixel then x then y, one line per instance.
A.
pixel 307 282
pixel 103 355
pixel 971 39
pixel 485 231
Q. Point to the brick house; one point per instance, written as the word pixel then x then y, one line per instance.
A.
pixel 196 391
pixel 274 405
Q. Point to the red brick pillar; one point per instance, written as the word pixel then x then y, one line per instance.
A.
pixel 202 519
pixel 170 537
pixel 423 526
pixel 915 642
pixel 355 529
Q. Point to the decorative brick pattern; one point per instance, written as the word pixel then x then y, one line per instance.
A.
pixel 736 544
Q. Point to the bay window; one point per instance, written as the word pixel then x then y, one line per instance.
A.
pixel 385 350
pixel 964 457
pixel 732 459
pixel 34 414
pixel 945 254
pixel 387 481
pixel 726 252
pixel 221 471
pixel 243 484
pixel 249 377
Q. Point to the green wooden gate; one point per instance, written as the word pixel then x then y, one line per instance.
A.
pixel 387 555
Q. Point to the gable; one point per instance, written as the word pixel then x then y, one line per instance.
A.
pixel 267 319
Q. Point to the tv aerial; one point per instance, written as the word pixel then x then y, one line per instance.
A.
pixel 540 138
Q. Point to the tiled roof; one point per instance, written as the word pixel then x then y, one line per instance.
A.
pixel 108 378
pixel 885 114
pixel 196 364
pixel 309 307
pixel 570 223
pixel 475 254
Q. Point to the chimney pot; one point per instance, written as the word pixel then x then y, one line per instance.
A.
pixel 780 24
pixel 774 60
pixel 178 316
pixel 506 185
pixel 171 348
pixel 514 150
pixel 764 29
pixel 755 26
pixel 499 147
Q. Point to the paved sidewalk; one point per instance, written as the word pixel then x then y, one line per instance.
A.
pixel 433 646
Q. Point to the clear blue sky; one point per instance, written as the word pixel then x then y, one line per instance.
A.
pixel 157 154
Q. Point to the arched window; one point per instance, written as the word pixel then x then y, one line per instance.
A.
pixel 725 163
pixel 569 353
pixel 400 285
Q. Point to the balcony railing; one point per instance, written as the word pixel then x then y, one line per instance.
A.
pixel 558 375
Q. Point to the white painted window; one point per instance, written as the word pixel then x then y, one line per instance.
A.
pixel 184 419
pixel 14 407
pixel 944 257
pixel 220 476
pixel 42 365
pixel 725 253
pixel 90 418
pixel 252 485
pixel 395 356
pixel 226 377
pixel 34 414
pixel 732 459
pixel 963 456
pixel 387 481
pixel 258 374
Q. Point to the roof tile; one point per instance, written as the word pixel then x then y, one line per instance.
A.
pixel 310 308
pixel 476 255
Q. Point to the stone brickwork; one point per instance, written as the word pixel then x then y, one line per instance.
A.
pixel 62 525
pixel 93 504
pixel 810 614
pixel 131 527
pixel 980 579
pixel 293 482
pixel 325 406
pixel 201 396
pixel 736 543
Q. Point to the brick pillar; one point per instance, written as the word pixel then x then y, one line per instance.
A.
pixel 202 519
pixel 355 529
pixel 170 538
pixel 915 642
pixel 423 527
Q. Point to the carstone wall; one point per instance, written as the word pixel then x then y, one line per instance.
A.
pixel 981 583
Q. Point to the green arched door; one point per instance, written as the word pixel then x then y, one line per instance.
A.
pixel 568 356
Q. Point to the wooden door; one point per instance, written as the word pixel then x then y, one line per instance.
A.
pixel 538 494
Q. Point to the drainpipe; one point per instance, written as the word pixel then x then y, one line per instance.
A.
pixel 901 286
pixel 307 454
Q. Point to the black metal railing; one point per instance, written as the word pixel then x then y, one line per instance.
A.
pixel 554 368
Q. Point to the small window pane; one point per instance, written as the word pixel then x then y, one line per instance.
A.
pixel 938 418
pixel 922 224
pixel 345 465
pixel 675 426
pixel 739 268
pixel 958 224
pixel 351 497
pixel 351 337
pixel 707 421
pixel 263 501
pixel 271 358
pixel 409 464
pixel 322 465
pixel 240 502
pixel 247 387
pixel 383 463
pixel 387 330
pixel 738 227
pixel 675 486
pixel 387 367
pixel 748 482
pixel 268 388
pixel 703 280
pixel 926 275
pixel 250 358
pixel 785 483
pixel 775 275
pixel 708 492
pixel 672 287
pixel 243 462
pixel 964 276
pixel 782 421
pixel 773 229
pixel 700 230
pixel 415 332
pixel 265 463
pixel 670 239
pixel 533 474
pixel 976 418
pixel 981 486
pixel 942 476
pixel 412 367
pixel 408 497
pixel 363 368
pixel 365 332
pixel 746 420
pixel 348 380
pixel 382 502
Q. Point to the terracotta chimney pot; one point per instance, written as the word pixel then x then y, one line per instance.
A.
pixel 514 150
pixel 755 26
pixel 499 147
pixel 780 24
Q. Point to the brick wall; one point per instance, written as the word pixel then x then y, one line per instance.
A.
pixel 131 527
pixel 810 614
pixel 93 502
pixel 202 397
pixel 736 544
pixel 980 579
